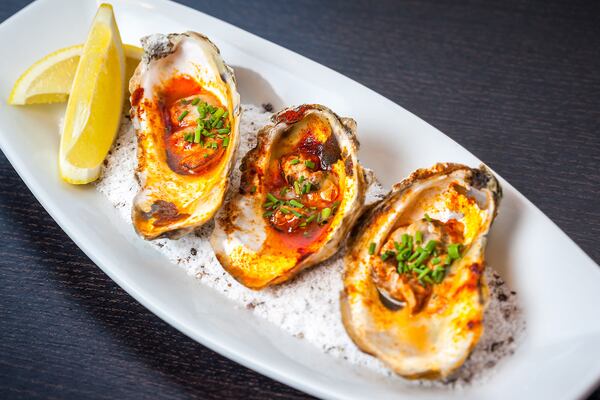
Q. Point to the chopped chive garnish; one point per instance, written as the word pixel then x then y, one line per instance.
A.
pixel 419 237
pixel 309 164
pixel 182 115
pixel 195 101
pixel 404 239
pixel 226 142
pixel 405 254
pixel 225 114
pixel 296 213
pixel 294 161
pixel 311 218
pixel 308 186
pixel 268 214
pixel 284 210
pixel 423 273
pixel 296 203
pixel 453 251
pixel 283 191
pixel 397 246
pixel 435 261
pixel 372 248
pixel 303 224
pixel 253 189
pixel 218 114
pixel 272 198
pixel 297 188
pixel 325 213
pixel 214 145
pixel 427 217
pixel 402 267
pixel 185 102
pixel 301 179
pixel 205 155
pixel 223 130
pixel 197 137
pixel 430 246
pixel 421 259
pixel 385 256
pixel 414 256
pixel 188 137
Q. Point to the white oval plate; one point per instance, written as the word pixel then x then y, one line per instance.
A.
pixel 559 285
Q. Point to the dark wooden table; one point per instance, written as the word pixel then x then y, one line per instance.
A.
pixel 515 82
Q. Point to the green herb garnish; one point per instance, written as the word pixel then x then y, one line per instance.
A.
pixel 430 246
pixel 296 213
pixel 182 115
pixel 372 248
pixel 297 188
pixel 295 203
pixel 454 251
pixel 311 218
pixel 419 237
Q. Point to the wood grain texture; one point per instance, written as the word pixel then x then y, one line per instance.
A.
pixel 517 83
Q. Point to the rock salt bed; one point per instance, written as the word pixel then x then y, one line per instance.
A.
pixel 308 306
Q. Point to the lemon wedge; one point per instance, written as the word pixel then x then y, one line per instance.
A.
pixel 49 80
pixel 95 102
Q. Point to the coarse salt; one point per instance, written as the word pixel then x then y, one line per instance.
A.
pixel 308 306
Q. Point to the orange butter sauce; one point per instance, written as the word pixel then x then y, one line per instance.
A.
pixel 305 141
pixel 183 156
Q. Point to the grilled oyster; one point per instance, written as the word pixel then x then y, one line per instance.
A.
pixel 413 294
pixel 301 190
pixel 186 111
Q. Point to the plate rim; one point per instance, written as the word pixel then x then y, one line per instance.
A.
pixel 297 382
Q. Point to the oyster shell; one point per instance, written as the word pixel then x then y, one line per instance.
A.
pixel 186 111
pixel 301 191
pixel 413 293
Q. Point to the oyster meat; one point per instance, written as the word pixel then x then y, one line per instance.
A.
pixel 301 191
pixel 413 293
pixel 186 111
